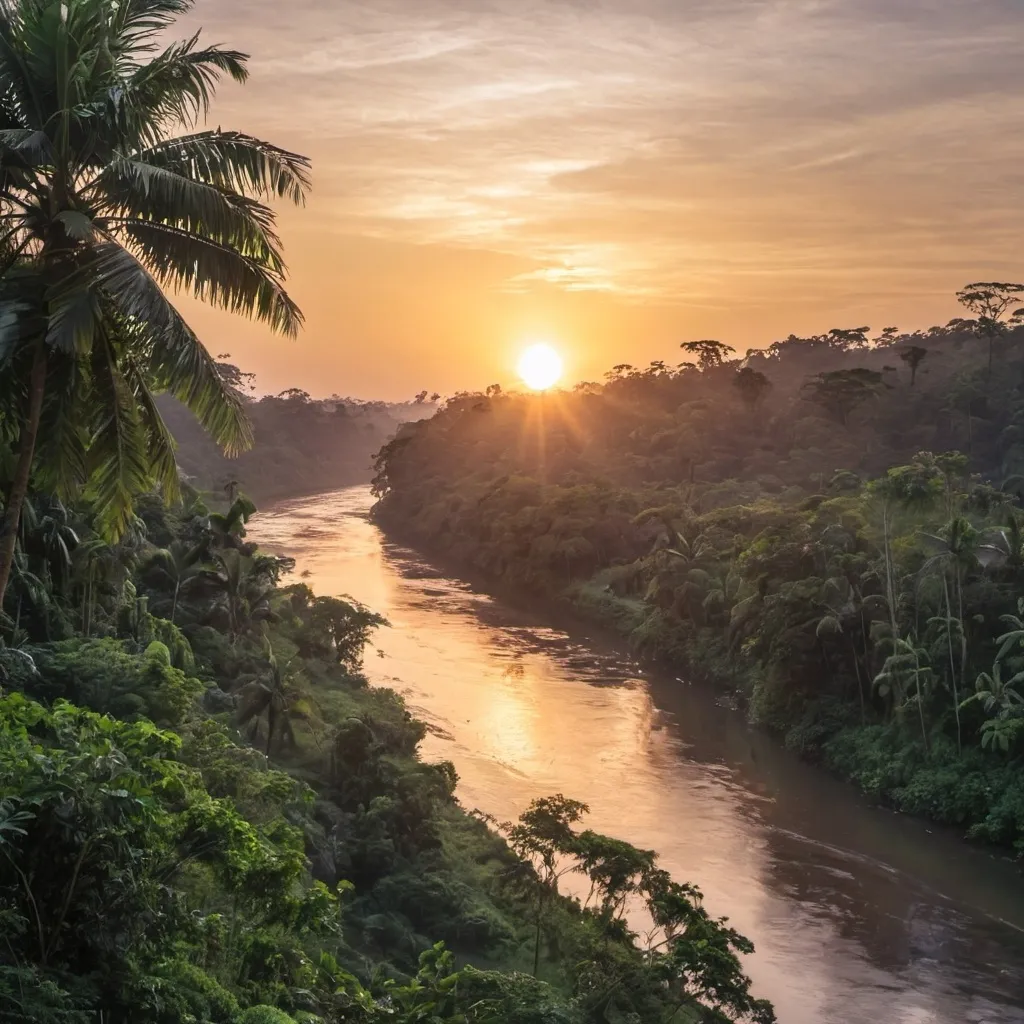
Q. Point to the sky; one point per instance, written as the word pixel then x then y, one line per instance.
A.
pixel 614 177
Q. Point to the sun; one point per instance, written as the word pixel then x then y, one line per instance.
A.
pixel 540 367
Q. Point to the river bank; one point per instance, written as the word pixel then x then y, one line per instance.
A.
pixel 856 912
pixel 965 791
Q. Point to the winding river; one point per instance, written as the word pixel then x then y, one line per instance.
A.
pixel 859 915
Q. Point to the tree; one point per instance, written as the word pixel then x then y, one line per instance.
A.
pixel 348 625
pixel 990 302
pixel 905 669
pixel 102 209
pixel 270 697
pixel 956 555
pixel 177 564
pixel 913 356
pixel 839 392
pixel 542 838
pixel 752 386
pixel 709 353
pixel 244 586
pixel 227 529
pixel 848 338
pixel 1001 698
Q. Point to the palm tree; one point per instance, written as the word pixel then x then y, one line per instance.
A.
pixel 226 529
pixel 847 613
pixel 1014 637
pixel 177 564
pixel 907 666
pixel 245 590
pixel 271 697
pixel 1003 701
pixel 957 553
pixel 998 696
pixel 102 206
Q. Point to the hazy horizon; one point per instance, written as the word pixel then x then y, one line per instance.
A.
pixel 615 177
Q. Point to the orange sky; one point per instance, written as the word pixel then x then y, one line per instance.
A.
pixel 615 176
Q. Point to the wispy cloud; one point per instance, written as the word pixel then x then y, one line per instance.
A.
pixel 681 150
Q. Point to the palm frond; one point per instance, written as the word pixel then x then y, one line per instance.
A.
pixel 234 161
pixel 137 21
pixel 217 274
pixel 176 87
pixel 177 359
pixel 132 189
pixel 162 464
pixel 118 459
pixel 63 439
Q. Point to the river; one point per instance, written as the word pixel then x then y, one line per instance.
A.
pixel 858 914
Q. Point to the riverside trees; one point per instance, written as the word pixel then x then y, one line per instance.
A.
pixel 817 555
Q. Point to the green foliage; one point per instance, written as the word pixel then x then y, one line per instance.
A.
pixel 263 1015
pixel 854 580
pixel 106 676
pixel 692 960
pixel 168 876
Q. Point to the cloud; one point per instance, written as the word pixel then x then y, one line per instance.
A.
pixel 657 150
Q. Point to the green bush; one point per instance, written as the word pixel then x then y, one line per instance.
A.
pixel 263 1015
pixel 107 677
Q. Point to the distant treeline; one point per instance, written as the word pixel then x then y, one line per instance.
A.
pixel 831 526
pixel 301 445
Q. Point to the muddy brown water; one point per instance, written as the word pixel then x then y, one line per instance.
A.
pixel 858 914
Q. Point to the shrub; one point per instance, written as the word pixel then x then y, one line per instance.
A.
pixel 105 676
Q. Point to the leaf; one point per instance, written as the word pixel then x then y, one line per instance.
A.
pixel 77 225
pixel 828 626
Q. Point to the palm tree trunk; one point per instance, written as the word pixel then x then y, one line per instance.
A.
pixel 920 703
pixel 890 588
pixel 963 656
pixel 174 603
pixel 536 938
pixel 23 468
pixel 952 672
pixel 860 684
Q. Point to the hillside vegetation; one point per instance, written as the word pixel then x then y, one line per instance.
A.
pixel 831 527
pixel 300 444
pixel 207 815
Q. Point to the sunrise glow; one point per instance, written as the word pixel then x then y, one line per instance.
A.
pixel 540 367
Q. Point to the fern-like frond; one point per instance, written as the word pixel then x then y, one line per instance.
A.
pixel 134 190
pixel 234 161
pixel 118 460
pixel 174 356
pixel 217 274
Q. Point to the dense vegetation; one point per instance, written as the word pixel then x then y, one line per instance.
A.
pixel 206 815
pixel 831 526
pixel 300 445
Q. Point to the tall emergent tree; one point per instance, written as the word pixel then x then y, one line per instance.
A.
pixel 913 356
pixel 752 386
pixel 990 302
pixel 102 206
pixel 709 353
pixel 839 392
